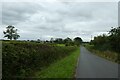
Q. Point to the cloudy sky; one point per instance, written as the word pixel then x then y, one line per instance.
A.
pixel 59 19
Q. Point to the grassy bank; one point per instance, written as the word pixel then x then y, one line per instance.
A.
pixel 23 59
pixel 64 68
pixel 109 55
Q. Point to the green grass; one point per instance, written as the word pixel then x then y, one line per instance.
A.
pixel 64 68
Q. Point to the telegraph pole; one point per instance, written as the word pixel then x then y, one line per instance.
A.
pixel 91 37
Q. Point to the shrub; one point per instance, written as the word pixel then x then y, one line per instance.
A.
pixel 23 58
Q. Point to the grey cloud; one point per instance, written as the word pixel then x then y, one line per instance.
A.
pixel 13 13
pixel 0 13
pixel 44 20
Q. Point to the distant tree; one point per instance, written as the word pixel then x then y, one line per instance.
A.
pixel 47 41
pixel 38 41
pixel 77 41
pixel 32 41
pixel 16 36
pixel 11 33
pixel 67 40
pixel 58 40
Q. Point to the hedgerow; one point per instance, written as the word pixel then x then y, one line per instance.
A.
pixel 22 59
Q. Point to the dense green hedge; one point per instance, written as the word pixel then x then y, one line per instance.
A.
pixel 109 41
pixel 22 58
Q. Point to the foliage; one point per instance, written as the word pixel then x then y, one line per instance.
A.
pixel 58 40
pixel 64 68
pixel 67 41
pixel 77 41
pixel 108 42
pixel 114 39
pixel 22 59
pixel 11 33
pixel 105 44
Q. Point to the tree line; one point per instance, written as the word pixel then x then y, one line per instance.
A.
pixel 67 41
pixel 11 34
pixel 111 41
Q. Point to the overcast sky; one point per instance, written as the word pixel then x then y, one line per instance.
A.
pixel 59 19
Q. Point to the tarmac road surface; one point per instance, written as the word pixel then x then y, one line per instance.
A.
pixel 92 66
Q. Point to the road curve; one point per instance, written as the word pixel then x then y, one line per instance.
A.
pixel 92 66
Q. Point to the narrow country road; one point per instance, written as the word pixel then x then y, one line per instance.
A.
pixel 92 66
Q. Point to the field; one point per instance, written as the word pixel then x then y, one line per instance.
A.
pixel 24 59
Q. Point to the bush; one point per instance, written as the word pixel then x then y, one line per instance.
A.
pixel 23 58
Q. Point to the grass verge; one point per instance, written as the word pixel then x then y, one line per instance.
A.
pixel 64 68
pixel 111 56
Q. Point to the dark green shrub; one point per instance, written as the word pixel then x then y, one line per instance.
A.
pixel 23 58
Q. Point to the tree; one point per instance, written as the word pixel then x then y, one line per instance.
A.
pixel 51 40
pixel 77 41
pixel 108 42
pixel 101 42
pixel 58 40
pixel 114 38
pixel 67 40
pixel 11 33
pixel 38 41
